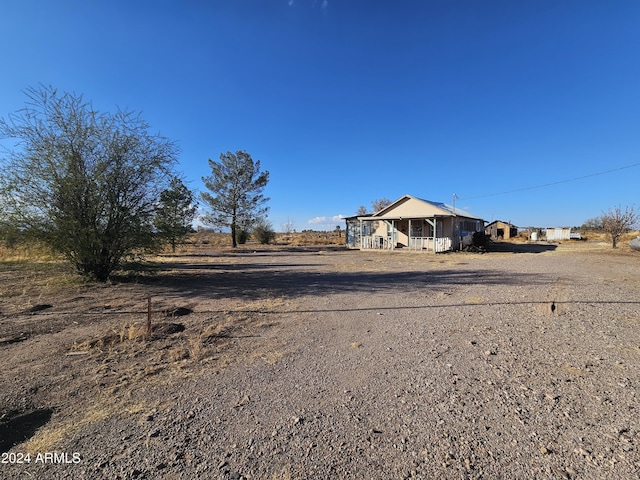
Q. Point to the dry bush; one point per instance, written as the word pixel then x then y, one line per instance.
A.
pixel 133 331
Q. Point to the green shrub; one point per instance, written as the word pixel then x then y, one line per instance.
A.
pixel 242 236
pixel 263 232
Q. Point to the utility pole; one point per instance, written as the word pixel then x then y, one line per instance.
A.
pixel 454 203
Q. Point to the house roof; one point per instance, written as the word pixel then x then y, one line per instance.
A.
pixel 500 221
pixel 409 206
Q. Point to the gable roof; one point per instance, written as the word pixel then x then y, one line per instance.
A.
pixel 500 221
pixel 409 206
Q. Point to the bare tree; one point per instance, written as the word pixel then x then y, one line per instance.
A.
pixel 288 227
pixel 593 224
pixel 380 203
pixel 362 210
pixel 616 222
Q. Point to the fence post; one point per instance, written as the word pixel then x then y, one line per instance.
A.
pixel 149 315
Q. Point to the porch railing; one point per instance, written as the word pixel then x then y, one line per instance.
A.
pixel 437 245
pixel 375 242
pixel 443 244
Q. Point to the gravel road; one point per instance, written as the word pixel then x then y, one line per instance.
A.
pixel 337 364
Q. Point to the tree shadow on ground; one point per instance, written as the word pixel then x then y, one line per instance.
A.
pixel 259 280
pixel 21 427
pixel 508 247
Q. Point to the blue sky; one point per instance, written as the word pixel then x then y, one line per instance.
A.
pixel 517 107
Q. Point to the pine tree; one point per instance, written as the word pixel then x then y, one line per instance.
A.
pixel 175 213
pixel 236 200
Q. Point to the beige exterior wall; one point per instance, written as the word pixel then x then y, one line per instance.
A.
pixel 412 207
pixel 445 228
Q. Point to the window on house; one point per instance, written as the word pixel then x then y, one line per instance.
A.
pixel 429 229
pixel 468 226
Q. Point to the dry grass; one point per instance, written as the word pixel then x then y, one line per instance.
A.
pixel 600 243
pixel 196 348
pixel 133 331
pixel 27 252
pixel 270 355
pixel 178 353
pixel 50 437
pixel 603 237
pixel 129 332
pixel 474 301
pixel 28 277
pixel 310 238
pixel 206 239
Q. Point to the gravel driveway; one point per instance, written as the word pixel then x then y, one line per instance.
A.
pixel 321 364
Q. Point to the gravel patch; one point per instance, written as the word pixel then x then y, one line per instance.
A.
pixel 337 364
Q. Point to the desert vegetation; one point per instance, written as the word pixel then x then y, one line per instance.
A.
pixel 234 199
pixel 307 238
pixel 85 183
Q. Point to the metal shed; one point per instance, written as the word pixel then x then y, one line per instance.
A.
pixel 556 234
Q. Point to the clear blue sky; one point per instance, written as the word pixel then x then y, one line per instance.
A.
pixel 346 101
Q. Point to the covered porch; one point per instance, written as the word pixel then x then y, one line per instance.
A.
pixel 419 234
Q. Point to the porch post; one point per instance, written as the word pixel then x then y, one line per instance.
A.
pixel 409 234
pixel 435 234
pixel 433 237
pixel 393 234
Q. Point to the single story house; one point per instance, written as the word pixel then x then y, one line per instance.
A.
pixel 413 223
pixel 501 230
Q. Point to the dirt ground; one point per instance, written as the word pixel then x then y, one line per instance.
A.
pixel 303 362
